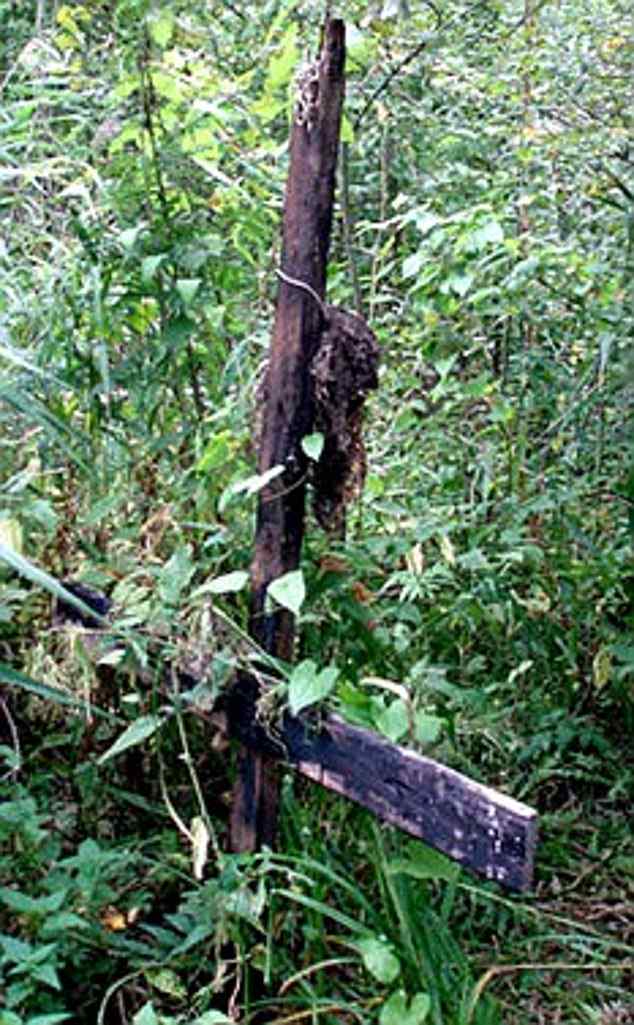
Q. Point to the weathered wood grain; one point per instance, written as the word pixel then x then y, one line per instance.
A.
pixel 288 405
pixel 484 830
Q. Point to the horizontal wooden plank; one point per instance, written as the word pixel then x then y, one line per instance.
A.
pixel 484 830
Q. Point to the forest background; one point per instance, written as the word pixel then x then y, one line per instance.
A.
pixel 481 608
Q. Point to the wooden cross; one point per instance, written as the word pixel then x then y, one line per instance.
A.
pixel 482 829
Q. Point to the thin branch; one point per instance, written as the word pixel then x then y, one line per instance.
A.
pixel 15 739
pixel 407 59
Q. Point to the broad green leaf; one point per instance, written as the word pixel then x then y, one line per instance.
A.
pixel 228 583
pixel 289 590
pixel 43 512
pixel 428 728
pixel 393 721
pixel 219 450
pixel 22 903
pixel 379 958
pixel 125 87
pixel 168 86
pixel 175 575
pixel 46 973
pixel 11 534
pixel 166 981
pixel 11 757
pixel 177 330
pixel 267 107
pixel 347 131
pixel 130 235
pixel 8 1018
pixel 161 27
pixel 412 264
pixel 146 1016
pixel 102 508
pixel 490 231
pixel 187 288
pixel 458 283
pixel 397 1011
pixel 16 950
pixel 150 266
pixel 283 61
pixel 136 733
pixel 307 686
pixel 313 445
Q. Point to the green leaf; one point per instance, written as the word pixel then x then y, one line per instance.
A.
pixel 187 288
pixel 267 107
pixel 425 863
pixel 166 981
pixel 15 950
pixel 251 485
pixel 161 27
pixel 136 733
pixel 47 974
pixel 219 450
pixel 169 86
pixel 23 904
pixel 213 1018
pixel 347 131
pixel 43 512
pixel 130 235
pixel 11 534
pixel 175 575
pixel 43 1019
pixel 146 1016
pixel 313 445
pixel 379 959
pixel 283 61
pixel 427 728
pixel 307 686
pixel 9 1018
pixel 458 283
pixel 228 583
pixel 395 1010
pixel 491 231
pixel 413 264
pixel 393 721
pixel 289 590
pixel 149 267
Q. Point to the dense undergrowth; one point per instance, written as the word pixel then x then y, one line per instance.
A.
pixel 487 570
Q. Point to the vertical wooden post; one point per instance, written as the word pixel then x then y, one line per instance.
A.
pixel 289 409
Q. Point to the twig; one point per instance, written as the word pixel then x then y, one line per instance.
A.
pixel 14 737
pixel 407 59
